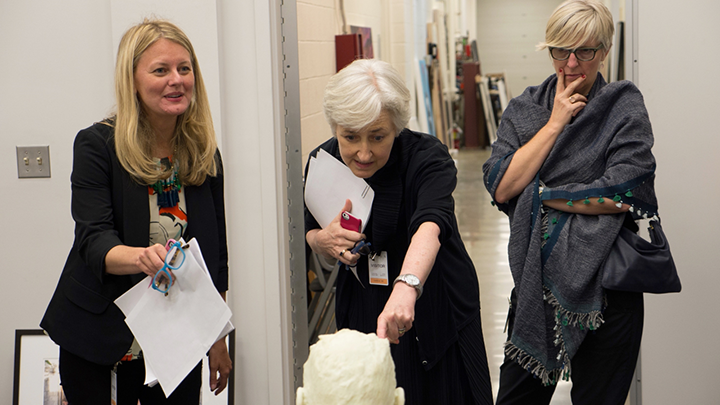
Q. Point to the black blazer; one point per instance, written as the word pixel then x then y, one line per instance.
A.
pixel 111 209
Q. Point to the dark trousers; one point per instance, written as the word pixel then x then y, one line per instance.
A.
pixel 86 383
pixel 602 369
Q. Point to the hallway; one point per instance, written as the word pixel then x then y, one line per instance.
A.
pixel 485 232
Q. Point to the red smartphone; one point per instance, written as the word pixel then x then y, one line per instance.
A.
pixel 348 221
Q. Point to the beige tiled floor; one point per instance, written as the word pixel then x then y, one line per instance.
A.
pixel 485 232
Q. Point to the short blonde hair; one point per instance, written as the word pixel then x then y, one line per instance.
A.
pixel 194 136
pixel 357 95
pixel 577 22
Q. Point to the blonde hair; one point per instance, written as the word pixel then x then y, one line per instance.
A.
pixel 194 138
pixel 357 95
pixel 577 22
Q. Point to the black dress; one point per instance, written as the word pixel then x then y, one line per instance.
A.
pixel 441 360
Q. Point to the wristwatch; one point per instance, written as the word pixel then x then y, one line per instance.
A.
pixel 411 280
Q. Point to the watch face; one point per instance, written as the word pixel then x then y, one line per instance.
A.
pixel 411 279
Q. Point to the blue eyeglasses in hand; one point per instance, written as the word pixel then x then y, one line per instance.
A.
pixel 175 249
pixel 364 248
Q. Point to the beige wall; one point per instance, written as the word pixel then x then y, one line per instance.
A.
pixel 507 33
pixel 318 23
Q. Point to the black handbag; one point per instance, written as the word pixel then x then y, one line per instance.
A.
pixel 635 264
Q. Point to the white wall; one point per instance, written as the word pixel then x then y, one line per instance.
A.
pixel 507 33
pixel 255 200
pixel 678 65
pixel 57 79
pixel 58 62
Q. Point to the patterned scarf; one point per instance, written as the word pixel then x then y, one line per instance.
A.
pixel 554 256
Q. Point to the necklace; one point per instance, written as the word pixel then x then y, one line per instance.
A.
pixel 167 190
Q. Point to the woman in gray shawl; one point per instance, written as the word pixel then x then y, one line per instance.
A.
pixel 571 166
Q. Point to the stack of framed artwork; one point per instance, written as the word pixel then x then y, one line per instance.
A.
pixel 432 84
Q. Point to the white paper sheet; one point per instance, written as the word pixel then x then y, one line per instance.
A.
pixel 329 183
pixel 175 331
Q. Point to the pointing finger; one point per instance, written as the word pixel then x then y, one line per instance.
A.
pixel 570 89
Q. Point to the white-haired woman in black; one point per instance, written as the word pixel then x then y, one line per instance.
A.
pixel 430 307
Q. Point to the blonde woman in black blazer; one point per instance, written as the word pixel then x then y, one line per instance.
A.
pixel 149 173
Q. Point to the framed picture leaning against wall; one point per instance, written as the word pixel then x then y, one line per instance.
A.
pixel 37 372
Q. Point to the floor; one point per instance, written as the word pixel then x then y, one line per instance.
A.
pixel 485 232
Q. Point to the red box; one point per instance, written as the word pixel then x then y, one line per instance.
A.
pixel 347 49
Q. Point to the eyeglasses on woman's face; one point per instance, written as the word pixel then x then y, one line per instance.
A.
pixel 583 54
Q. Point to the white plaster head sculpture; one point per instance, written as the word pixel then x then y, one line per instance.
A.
pixel 350 368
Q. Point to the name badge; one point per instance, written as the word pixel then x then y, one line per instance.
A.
pixel 378 269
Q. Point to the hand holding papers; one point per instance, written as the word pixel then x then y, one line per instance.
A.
pixel 329 183
pixel 176 329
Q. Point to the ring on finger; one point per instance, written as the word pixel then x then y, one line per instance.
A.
pixel 343 252
pixel 401 330
pixel 572 100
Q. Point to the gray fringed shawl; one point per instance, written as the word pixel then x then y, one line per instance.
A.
pixel 554 256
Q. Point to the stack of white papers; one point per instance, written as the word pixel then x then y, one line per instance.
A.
pixel 177 330
pixel 329 183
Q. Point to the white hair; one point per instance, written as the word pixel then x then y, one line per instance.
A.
pixel 356 96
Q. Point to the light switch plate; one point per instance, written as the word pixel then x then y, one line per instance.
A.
pixel 33 161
